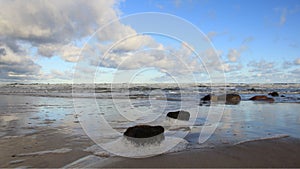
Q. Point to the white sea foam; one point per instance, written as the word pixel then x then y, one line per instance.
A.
pixel 98 151
pixel 121 91
pixel 56 151
pixel 8 118
pixel 181 146
pixel 12 137
pixel 84 162
pixel 126 148
pixel 277 136
pixel 16 161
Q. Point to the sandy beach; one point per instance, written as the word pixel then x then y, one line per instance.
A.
pixel 42 149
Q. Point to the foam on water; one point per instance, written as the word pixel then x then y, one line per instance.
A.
pixel 277 136
pixel 98 151
pixel 124 147
pixel 56 151
pixel 169 92
pixel 84 162
pixel 128 148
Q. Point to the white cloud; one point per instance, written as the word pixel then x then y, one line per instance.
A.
pixel 262 67
pixel 284 12
pixel 170 59
pixel 70 53
pixel 283 16
pixel 232 67
pixel 48 50
pixel 261 64
pixel 52 25
pixel 53 28
pixel 287 64
pixel 136 42
pixel 233 55
pixel 53 20
pixel 17 66
pixel 291 64
pixel 212 34
pixel 177 3
pixel 297 61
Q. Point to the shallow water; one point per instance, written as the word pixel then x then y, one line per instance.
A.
pixel 104 119
pixel 253 120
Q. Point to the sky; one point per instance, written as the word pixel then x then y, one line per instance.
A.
pixel 149 41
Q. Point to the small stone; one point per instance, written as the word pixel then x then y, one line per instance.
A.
pixel 180 115
pixel 274 94
pixel 262 98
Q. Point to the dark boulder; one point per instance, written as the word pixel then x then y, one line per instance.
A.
pixel 143 131
pixel 262 98
pixel 259 97
pixel 233 99
pixel 274 94
pixel 252 89
pixel 145 134
pixel 180 115
pixel 228 98
pixel 206 98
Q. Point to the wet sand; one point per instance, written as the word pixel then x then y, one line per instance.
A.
pixel 42 149
pixel 284 152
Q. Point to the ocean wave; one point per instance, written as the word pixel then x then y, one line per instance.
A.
pixel 169 92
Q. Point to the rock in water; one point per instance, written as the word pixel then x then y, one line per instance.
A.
pixel 233 99
pixel 145 134
pixel 228 98
pixel 262 98
pixel 180 115
pixel 274 94
pixel 144 131
pixel 259 97
pixel 206 98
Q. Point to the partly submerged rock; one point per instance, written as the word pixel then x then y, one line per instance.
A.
pixel 274 94
pixel 228 98
pixel 206 98
pixel 262 98
pixel 144 131
pixel 180 115
pixel 145 134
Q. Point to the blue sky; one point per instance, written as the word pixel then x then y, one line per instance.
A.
pixel 257 41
